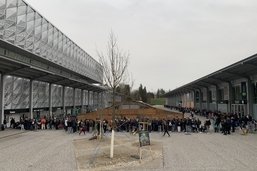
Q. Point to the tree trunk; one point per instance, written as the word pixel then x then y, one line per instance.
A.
pixel 100 115
pixel 113 123
pixel 112 144
pixel 113 108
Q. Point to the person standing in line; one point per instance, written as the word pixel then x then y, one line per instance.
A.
pixel 198 123
pixel 166 128
pixel 12 123
pixel 5 123
pixel 22 125
pixel 228 125
pixel 35 124
pixel 179 125
pixel 82 128
pixel 66 124
pixel 70 126
pixel 233 124
pixel 105 125
pixel 43 123
pixel 208 124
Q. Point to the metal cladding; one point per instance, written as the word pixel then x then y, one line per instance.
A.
pixel 17 93
pixel 22 26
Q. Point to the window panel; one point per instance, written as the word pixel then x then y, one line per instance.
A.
pixel 24 27
pixel 11 3
pixel 55 38
pixel 50 35
pixel 30 14
pixel 11 14
pixel 22 10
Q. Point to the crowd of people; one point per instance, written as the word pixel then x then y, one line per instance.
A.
pixel 216 121
pixel 224 122
pixel 34 124
pixel 133 125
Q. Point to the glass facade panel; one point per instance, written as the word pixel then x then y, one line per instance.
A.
pixel 11 3
pixel 30 29
pixel 30 14
pixel 22 10
pixel 21 21
pixel 60 44
pixel 221 94
pixel 10 23
pixel 44 31
pixel 21 3
pixel 50 35
pixel 11 14
pixel 37 32
pixel 2 17
pixel 23 26
pixel 2 4
pixel 55 38
pixel 255 92
pixel 237 93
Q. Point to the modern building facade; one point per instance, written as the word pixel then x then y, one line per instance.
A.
pixel 232 89
pixel 42 71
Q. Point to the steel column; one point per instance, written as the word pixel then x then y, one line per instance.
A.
pixel 102 106
pixel 88 98
pixel 63 100
pixel 200 99
pixel 194 98
pixel 98 101
pixel 229 97
pixel 217 97
pixel 250 94
pixel 207 99
pixel 82 101
pixel 2 87
pixel 93 99
pixel 31 99
pixel 74 100
pixel 50 101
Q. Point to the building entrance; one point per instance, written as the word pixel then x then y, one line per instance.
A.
pixel 240 109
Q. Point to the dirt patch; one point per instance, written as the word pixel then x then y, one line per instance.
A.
pixel 94 154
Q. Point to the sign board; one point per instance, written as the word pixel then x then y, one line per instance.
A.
pixel 144 138
pixel 143 126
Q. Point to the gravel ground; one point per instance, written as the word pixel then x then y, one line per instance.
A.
pixel 94 154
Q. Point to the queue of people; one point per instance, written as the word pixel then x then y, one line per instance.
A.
pixel 34 124
pixel 219 122
pixel 224 122
pixel 134 125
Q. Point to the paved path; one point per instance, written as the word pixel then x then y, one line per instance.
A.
pixel 10 132
pixel 41 150
pixel 200 152
pixel 54 150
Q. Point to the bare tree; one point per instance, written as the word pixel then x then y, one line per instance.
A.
pixel 115 67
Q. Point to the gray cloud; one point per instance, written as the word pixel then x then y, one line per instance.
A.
pixel 171 42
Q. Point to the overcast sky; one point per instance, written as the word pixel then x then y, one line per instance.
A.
pixel 171 42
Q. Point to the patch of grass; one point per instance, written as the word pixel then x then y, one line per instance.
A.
pixel 158 101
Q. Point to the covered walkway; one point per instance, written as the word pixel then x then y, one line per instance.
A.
pixel 43 72
pixel 229 90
